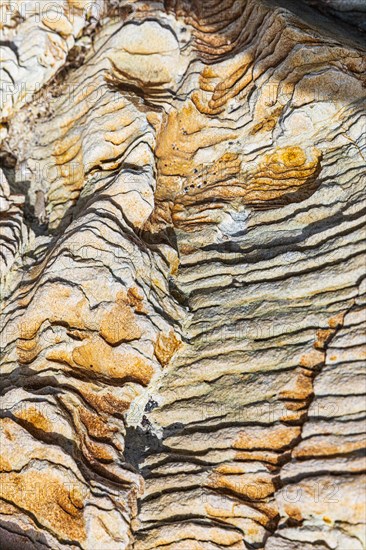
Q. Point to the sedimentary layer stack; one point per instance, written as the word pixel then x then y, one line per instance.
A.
pixel 182 213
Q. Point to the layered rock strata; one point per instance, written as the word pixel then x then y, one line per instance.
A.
pixel 182 212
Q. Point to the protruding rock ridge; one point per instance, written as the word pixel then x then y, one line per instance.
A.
pixel 182 212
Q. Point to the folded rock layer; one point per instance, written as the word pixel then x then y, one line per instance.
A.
pixel 182 213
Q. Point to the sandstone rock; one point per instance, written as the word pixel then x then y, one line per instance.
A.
pixel 183 275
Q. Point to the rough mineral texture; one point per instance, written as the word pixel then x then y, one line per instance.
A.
pixel 182 214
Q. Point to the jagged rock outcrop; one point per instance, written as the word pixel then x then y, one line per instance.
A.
pixel 182 212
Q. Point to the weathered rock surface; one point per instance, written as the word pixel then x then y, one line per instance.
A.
pixel 182 213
